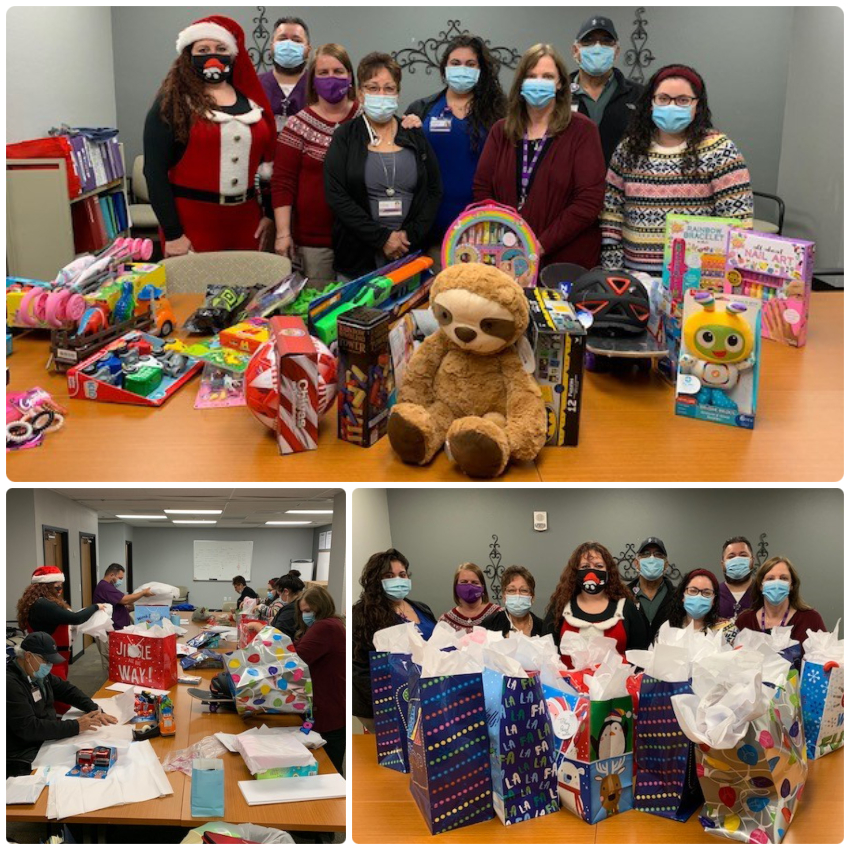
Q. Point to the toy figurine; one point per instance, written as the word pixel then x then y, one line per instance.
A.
pixel 718 348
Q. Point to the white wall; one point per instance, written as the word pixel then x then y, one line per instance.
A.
pixel 21 551
pixel 59 69
pixel 337 574
pixel 811 165
pixel 370 520
pixel 111 537
pixel 167 555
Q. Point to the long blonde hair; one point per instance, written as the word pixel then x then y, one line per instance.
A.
pixel 516 122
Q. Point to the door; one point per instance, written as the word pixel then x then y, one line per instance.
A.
pixel 128 563
pixel 56 554
pixel 88 572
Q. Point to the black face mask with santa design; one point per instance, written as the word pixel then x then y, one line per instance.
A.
pixel 592 581
pixel 213 67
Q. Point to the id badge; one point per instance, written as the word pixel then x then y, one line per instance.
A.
pixel 389 207
pixel 36 695
pixel 441 125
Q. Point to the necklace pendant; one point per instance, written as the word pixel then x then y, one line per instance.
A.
pixel 390 191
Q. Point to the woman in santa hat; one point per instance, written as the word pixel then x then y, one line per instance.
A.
pixel 42 609
pixel 208 134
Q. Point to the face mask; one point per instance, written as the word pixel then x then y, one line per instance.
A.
pixel 738 568
pixel 397 588
pixel 517 605
pixel 380 107
pixel 538 92
pixel 332 89
pixel 270 595
pixel 119 583
pixel 462 79
pixel 469 592
pixel 288 54
pixel 592 581
pixel 672 118
pixel 776 591
pixel 651 568
pixel 697 606
pixel 596 59
pixel 213 67
pixel 308 617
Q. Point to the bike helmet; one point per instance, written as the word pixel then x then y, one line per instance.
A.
pixel 618 301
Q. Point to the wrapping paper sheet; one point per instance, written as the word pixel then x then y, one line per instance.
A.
pixel 164 594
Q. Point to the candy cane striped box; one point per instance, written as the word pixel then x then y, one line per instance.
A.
pixel 297 424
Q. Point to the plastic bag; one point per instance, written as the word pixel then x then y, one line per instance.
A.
pixel 219 309
pixel 249 831
pixel 270 300
pixel 207 748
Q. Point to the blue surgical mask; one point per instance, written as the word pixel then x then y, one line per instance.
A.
pixel 43 670
pixel 651 568
pixel 538 92
pixel 776 591
pixel 119 583
pixel 308 617
pixel 380 107
pixel 596 60
pixel 397 588
pixel 462 79
pixel 738 568
pixel 517 605
pixel 697 606
pixel 672 118
pixel 288 54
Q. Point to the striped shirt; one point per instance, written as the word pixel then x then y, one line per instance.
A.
pixel 460 623
pixel 638 198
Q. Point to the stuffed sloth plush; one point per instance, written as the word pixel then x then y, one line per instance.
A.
pixel 465 386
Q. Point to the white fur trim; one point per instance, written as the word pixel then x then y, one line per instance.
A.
pixel 206 29
pixel 49 578
pixel 230 171
pixel 247 118
pixel 584 624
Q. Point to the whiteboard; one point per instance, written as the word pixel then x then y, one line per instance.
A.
pixel 322 566
pixel 220 560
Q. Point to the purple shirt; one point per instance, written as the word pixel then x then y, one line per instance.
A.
pixel 296 101
pixel 106 591
pixel 728 608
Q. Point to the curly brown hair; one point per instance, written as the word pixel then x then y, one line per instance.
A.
pixel 374 609
pixel 183 97
pixel 31 595
pixel 566 589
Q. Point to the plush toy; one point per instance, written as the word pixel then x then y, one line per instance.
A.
pixel 465 386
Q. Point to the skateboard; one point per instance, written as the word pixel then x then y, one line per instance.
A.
pixel 210 699
pixel 604 353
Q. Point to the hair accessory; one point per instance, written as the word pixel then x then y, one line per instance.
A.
pixel 684 73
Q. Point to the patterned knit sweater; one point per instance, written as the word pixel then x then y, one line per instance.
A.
pixel 638 199
pixel 460 623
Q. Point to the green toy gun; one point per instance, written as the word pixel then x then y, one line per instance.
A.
pixel 375 292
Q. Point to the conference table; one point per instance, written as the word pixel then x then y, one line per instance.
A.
pixel 384 812
pixel 194 722
pixel 628 429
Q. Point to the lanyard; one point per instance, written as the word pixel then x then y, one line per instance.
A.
pixel 784 618
pixel 528 170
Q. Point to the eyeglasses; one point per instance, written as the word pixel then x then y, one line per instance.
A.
pixel 666 100
pixel 387 90
pixel 692 591
pixel 518 592
pixel 605 42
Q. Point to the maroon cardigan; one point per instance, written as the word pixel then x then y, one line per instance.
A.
pixel 800 623
pixel 566 194
pixel 322 647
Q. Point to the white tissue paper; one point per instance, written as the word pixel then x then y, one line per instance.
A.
pixel 24 789
pixel 402 639
pixel 586 651
pixel 435 662
pixel 609 679
pixel 730 691
pixel 778 639
pixel 821 647
pixel 165 629
pixel 99 625
pixel 671 657
pixel 266 751
pixel 476 637
pixel 163 594
pixel 504 664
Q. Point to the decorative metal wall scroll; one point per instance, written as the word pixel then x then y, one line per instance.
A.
pixel 626 565
pixel 494 570
pixel 260 52
pixel 639 56
pixel 429 51
pixel 762 550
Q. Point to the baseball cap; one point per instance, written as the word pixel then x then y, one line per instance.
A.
pixel 597 22
pixel 41 644
pixel 652 541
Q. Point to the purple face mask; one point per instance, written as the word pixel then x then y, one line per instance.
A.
pixel 469 592
pixel 332 89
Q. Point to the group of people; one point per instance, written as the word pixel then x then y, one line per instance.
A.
pixel 38 691
pixel 591 598
pixel 319 162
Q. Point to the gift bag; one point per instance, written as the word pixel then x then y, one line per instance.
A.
pixel 522 753
pixel 666 782
pixel 207 788
pixel 267 677
pixel 822 692
pixel 751 759
pixel 244 635
pixel 448 750
pixel 390 674
pixel 146 657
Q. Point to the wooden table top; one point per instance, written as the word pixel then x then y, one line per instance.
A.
pixel 628 430
pixel 384 811
pixel 195 722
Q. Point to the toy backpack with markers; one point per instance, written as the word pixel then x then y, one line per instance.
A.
pixel 496 235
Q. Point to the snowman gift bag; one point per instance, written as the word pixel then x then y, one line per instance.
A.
pixel 822 692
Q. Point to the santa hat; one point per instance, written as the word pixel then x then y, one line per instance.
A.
pixel 47 575
pixel 245 79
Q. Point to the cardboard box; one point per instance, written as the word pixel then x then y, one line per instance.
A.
pixel 558 341
pixel 311 769
pixel 297 425
pixel 367 389
pixel 246 336
pixel 695 253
